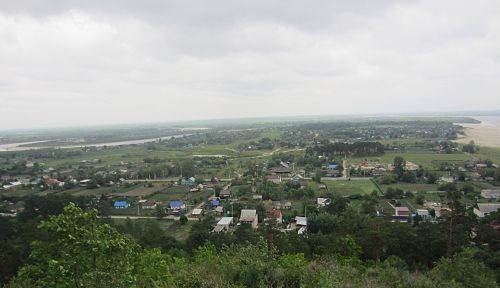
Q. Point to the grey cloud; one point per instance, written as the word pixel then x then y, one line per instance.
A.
pixel 135 61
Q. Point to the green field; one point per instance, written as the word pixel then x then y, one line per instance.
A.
pixel 427 159
pixel 412 187
pixel 347 188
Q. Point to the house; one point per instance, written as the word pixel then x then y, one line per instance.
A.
pixel 424 214
pixel 444 180
pixel 249 216
pixel 301 224
pixel 322 202
pixel 484 209
pixel 214 202
pixel 52 182
pixel 401 212
pixel 331 166
pixel 121 204
pixel 85 182
pixel 297 178
pixel 287 205
pixel 257 197
pixel 283 164
pixel 13 185
pixel 409 166
pixel 219 210
pixel 177 207
pixel 25 181
pixel 223 225
pixel 276 179
pixel 149 205
pixel 198 212
pixel 490 194
pixel 285 171
pixel 224 194
pixel 275 214
pixel 188 181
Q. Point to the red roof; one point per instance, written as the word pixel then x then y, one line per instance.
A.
pixel 52 181
pixel 276 213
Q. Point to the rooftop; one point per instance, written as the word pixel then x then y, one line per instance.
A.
pixel 488 207
pixel 225 221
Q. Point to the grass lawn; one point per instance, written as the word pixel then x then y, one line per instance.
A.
pixel 346 188
pixel 412 187
pixel 178 231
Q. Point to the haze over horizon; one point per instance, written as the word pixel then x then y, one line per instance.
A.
pixel 68 63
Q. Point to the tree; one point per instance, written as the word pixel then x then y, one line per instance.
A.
pixel 470 148
pixel 338 205
pixel 187 168
pixel 463 269
pixel 80 253
pixel 160 211
pixel 431 178
pixel 317 176
pixel 183 219
pixel 420 198
pixel 399 166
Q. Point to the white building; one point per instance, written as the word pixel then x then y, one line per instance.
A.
pixel 223 224
pixel 301 224
pixel 198 212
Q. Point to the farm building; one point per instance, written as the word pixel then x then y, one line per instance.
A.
pixel 249 216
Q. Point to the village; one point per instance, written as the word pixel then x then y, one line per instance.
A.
pixel 278 190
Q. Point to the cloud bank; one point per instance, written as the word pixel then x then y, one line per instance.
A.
pixel 104 62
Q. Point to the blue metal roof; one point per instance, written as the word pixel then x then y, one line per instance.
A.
pixel 121 204
pixel 215 202
pixel 332 166
pixel 176 203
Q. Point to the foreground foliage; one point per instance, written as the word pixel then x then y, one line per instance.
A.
pixel 80 252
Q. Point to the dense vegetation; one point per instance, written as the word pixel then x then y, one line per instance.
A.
pixel 75 248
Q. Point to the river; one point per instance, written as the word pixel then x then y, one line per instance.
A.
pixel 20 146
pixel 489 120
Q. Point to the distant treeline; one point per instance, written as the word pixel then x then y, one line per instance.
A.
pixel 356 149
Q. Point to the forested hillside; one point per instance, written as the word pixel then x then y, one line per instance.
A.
pixel 78 250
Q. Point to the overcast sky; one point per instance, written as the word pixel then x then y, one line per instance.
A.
pixel 89 62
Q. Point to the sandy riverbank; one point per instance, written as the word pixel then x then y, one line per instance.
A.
pixel 482 134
